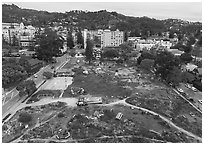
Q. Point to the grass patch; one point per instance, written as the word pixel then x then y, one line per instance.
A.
pixel 97 85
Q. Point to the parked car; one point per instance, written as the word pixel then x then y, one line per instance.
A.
pixel 200 101
pixel 184 94
pixel 35 76
pixel 180 90
pixel 188 86
pixel 191 100
pixel 194 89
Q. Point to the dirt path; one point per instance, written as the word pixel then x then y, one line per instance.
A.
pixel 123 102
pixel 72 102
pixel 69 101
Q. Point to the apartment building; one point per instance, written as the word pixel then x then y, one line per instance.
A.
pixel 141 44
pixel 18 34
pixel 9 35
pixel 10 25
pixel 111 38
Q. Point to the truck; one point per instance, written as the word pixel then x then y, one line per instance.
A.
pixel 81 102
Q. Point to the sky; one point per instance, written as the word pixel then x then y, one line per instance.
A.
pixel 191 11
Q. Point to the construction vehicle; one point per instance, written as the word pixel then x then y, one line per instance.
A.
pixel 81 102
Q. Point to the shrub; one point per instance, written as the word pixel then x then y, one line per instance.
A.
pixel 25 118
pixel 48 75
pixel 60 115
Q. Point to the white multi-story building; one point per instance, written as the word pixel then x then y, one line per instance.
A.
pixel 165 43
pixel 18 33
pixel 144 44
pixel 26 41
pixel 9 34
pixel 111 38
pixel 9 25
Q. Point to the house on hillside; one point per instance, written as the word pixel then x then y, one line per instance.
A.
pixel 190 67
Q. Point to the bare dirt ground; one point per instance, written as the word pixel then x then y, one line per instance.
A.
pixel 152 112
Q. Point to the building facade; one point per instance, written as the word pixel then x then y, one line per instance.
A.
pixel 18 34
pixel 111 38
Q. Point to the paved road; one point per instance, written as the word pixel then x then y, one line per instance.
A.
pixel 16 100
pixel 187 101
pixel 195 95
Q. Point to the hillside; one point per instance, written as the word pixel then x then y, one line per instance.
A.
pixel 92 20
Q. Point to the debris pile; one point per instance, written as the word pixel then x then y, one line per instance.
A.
pixel 77 91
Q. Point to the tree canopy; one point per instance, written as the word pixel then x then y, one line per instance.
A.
pixel 89 50
pixel 125 50
pixel 11 73
pixel 186 57
pixel 110 53
pixel 48 75
pixel 25 118
pixel 80 39
pixel 165 63
pixel 27 87
pixel 70 42
pixel 147 64
pixel 49 45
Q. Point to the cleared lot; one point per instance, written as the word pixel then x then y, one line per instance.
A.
pixel 59 83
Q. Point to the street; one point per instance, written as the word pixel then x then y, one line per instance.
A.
pixel 13 102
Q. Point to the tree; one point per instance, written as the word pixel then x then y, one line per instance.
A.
pixel 4 42
pixel 198 85
pixel 135 33
pixel 165 62
pixel 174 76
pixel 145 55
pixel 147 64
pixel 187 49
pixel 186 57
pixel 70 42
pixel 89 50
pixel 199 40
pixel 48 75
pixel 197 51
pixel 24 63
pixel 171 34
pixel 80 39
pixel 49 45
pixel 20 87
pixel 125 36
pixel 15 41
pixel 110 53
pixel 187 77
pixel 125 50
pixel 26 88
pixel 25 118
pixel 191 40
pixel 30 87
pixel 97 42
pixel 12 73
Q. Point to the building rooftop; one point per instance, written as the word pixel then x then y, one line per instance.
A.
pixel 191 67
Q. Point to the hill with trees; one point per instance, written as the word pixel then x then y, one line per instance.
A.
pixel 95 20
